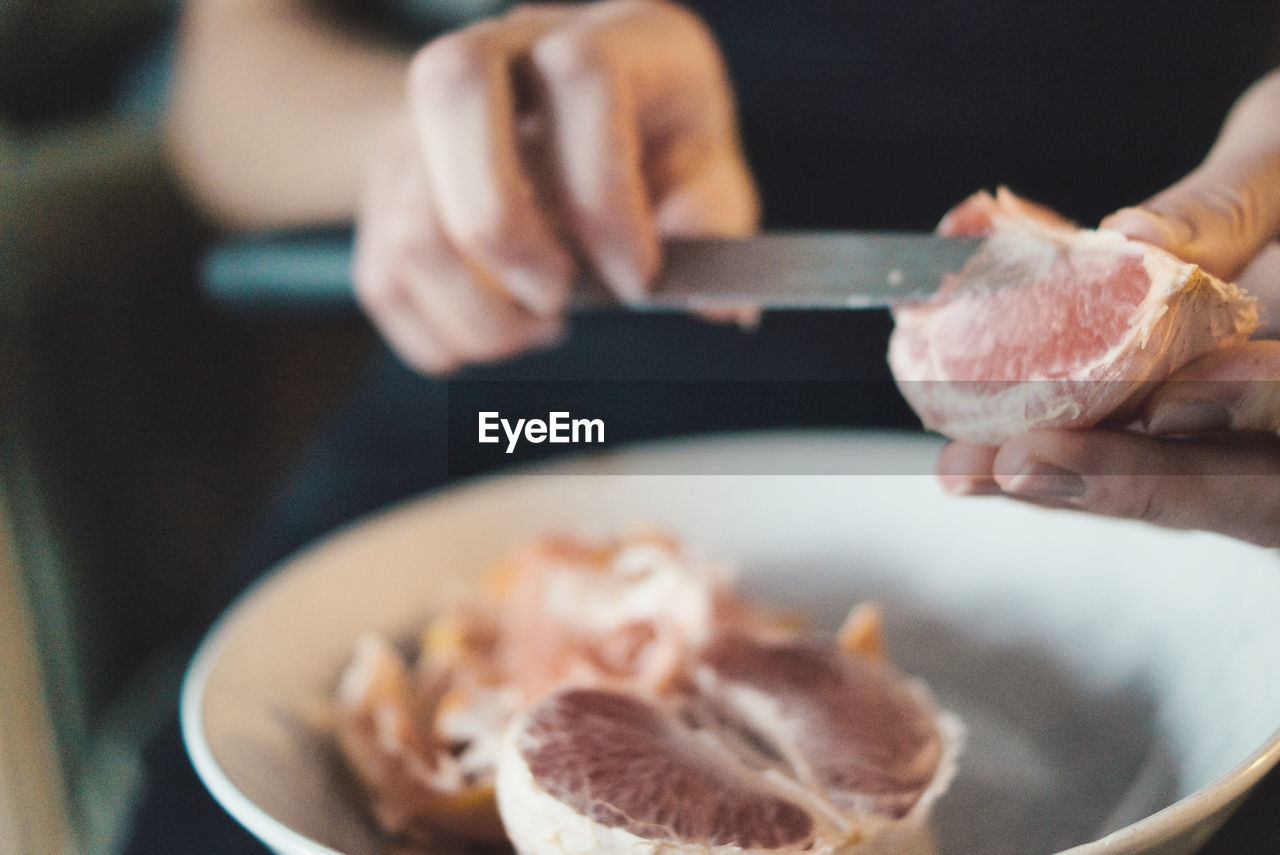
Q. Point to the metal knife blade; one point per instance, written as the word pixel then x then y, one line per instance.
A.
pixel 809 270
pixel 815 270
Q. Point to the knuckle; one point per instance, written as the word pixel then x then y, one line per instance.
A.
pixel 567 58
pixel 404 240
pixel 1137 498
pixel 1238 207
pixel 477 350
pixel 604 210
pixel 369 275
pixel 495 237
pixel 369 279
pixel 453 62
pixel 374 292
pixel 600 233
pixel 437 362
pixel 600 229
pixel 589 217
pixel 426 360
pixel 483 330
pixel 474 345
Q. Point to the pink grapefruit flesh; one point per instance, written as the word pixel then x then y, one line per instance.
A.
pixel 1053 326
pixel 774 746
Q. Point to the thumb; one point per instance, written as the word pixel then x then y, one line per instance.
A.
pixel 1225 211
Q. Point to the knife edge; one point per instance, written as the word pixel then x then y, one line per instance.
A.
pixel 832 270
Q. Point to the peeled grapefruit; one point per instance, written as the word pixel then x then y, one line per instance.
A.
pixel 771 747
pixel 1053 326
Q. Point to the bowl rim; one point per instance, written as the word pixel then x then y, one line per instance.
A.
pixel 272 832
pixel 1219 796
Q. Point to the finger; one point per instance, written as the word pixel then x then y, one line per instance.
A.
pixel 1236 388
pixel 383 297
pixel 455 297
pixel 412 338
pixel 394 187
pixel 451 300
pixel 1261 279
pixel 435 310
pixel 717 198
pixel 465 312
pixel 639 105
pixel 1223 213
pixel 597 153
pixel 1231 489
pixel 964 468
pixel 464 108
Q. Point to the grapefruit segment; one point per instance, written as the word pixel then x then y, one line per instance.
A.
pixel 850 725
pixel 623 762
pixel 1053 326
pixel 795 746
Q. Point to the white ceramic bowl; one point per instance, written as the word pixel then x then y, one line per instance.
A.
pixel 1118 681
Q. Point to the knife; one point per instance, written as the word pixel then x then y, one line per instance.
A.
pixel 790 270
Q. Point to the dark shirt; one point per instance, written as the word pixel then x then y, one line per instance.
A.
pixel 884 113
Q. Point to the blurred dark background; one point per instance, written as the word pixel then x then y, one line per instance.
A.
pixel 138 426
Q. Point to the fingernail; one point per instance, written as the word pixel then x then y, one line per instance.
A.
pixel 1040 480
pixel 1186 417
pixel 623 277
pixel 534 291
pixel 1144 225
pixel 968 485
